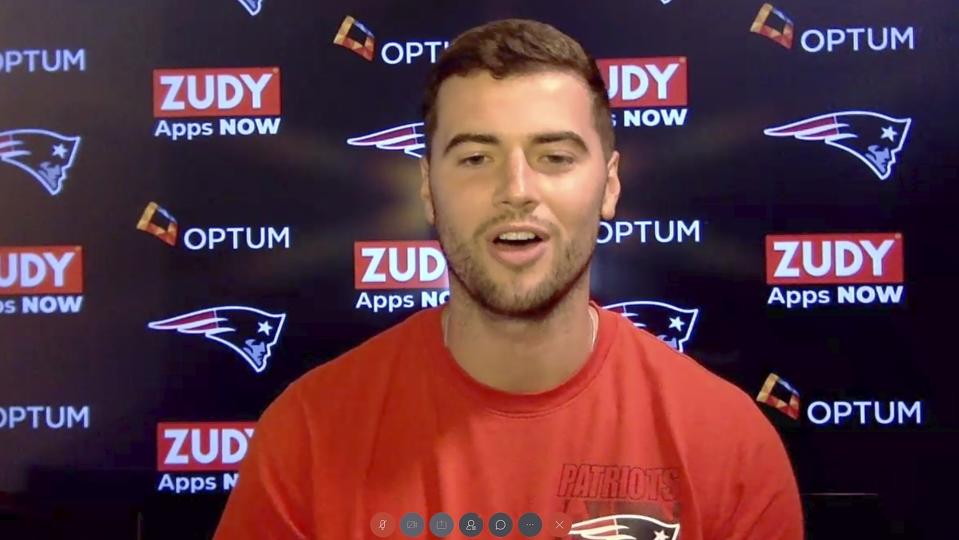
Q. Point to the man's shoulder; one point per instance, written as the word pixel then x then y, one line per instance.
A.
pixel 368 362
pixel 692 391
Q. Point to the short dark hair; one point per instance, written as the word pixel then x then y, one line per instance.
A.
pixel 516 47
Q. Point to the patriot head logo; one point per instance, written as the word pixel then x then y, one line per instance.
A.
pixel 667 322
pixel 409 138
pixel 250 332
pixel 625 527
pixel 43 154
pixel 873 138
pixel 252 6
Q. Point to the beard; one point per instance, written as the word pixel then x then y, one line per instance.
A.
pixel 503 297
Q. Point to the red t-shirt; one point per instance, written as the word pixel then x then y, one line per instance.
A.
pixel 642 441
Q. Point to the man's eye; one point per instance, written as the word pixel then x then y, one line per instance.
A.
pixel 473 160
pixel 558 159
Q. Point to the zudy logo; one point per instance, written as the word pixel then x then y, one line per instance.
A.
pixel 188 451
pixel 47 279
pixel 396 266
pixel 648 92
pixel 246 101
pixel 862 265
pixel 202 446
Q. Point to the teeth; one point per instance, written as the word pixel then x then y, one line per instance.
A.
pixel 517 235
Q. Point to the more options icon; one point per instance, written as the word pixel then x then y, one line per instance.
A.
pixel 529 524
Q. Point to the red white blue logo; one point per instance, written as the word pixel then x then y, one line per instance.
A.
pixel 671 324
pixel 249 332
pixel 44 155
pixel 873 138
pixel 624 526
pixel 410 138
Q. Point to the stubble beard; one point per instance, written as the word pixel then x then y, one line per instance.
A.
pixel 569 266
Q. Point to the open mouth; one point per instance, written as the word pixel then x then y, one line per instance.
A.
pixel 519 248
pixel 516 239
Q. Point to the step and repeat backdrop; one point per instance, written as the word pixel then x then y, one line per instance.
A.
pixel 201 201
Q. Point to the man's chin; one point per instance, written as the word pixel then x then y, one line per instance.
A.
pixel 529 302
pixel 516 309
pixel 519 292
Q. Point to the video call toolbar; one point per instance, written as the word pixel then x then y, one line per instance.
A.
pixel 471 524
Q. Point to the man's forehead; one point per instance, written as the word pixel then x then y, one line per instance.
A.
pixel 481 84
pixel 521 105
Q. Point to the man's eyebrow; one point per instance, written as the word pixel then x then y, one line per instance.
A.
pixel 560 136
pixel 461 138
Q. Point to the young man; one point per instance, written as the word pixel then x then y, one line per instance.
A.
pixel 520 395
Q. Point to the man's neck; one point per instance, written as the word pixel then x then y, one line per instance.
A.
pixel 521 356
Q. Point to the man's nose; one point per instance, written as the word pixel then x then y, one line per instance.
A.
pixel 518 187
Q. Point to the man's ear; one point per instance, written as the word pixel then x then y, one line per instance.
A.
pixel 425 194
pixel 611 191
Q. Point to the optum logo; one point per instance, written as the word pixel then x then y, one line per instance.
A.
pixel 865 413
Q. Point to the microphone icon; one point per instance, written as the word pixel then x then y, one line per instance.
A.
pixel 382 525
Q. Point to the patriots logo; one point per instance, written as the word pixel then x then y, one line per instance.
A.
pixel 669 323
pixel 873 138
pixel 626 527
pixel 409 138
pixel 249 332
pixel 43 154
pixel 252 6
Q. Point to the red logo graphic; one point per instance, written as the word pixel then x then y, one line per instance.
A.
pixel 209 92
pixel 645 82
pixel 202 446
pixel 399 265
pixel 775 392
pixel 834 258
pixel 41 270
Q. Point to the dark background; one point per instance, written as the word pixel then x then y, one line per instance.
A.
pixel 719 168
